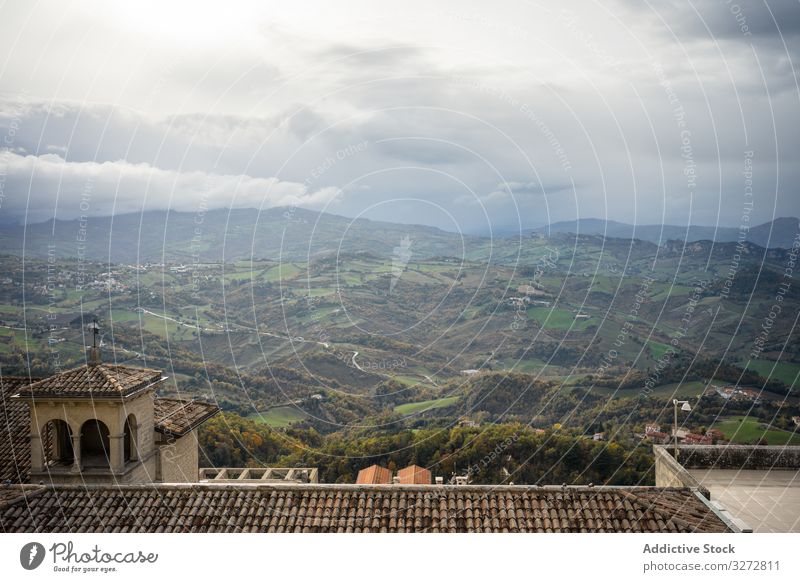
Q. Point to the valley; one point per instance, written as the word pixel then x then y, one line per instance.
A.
pixel 569 335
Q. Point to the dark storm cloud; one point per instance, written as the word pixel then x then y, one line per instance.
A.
pixel 723 18
pixel 761 38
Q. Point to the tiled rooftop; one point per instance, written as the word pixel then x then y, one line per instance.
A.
pixel 354 508
pixel 93 381
pixel 178 417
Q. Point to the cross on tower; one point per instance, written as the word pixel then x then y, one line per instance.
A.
pixel 95 330
pixel 94 358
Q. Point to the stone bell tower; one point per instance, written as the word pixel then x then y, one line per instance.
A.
pixel 94 423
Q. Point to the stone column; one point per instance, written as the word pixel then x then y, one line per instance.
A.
pixel 117 452
pixel 37 451
pixel 77 467
pixel 135 456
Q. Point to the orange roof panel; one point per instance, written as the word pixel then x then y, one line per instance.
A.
pixel 374 475
pixel 414 475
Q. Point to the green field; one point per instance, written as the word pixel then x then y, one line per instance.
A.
pixel 657 349
pixel 685 390
pixel 280 416
pixel 414 407
pixel 558 319
pixel 282 272
pixel 745 430
pixel 527 366
pixel 244 275
pixel 407 380
pixel 123 315
pixel 786 372
pixel 662 291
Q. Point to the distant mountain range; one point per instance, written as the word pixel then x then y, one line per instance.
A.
pixel 217 235
pixel 297 234
pixel 780 233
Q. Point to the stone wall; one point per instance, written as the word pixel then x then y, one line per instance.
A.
pixel 178 459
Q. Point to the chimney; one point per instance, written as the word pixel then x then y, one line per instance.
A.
pixel 94 356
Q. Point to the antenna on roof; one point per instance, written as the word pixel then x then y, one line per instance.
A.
pixel 94 351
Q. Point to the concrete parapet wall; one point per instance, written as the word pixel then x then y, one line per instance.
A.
pixel 670 473
pixel 738 457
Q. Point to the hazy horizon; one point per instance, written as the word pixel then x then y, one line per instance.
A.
pixel 498 229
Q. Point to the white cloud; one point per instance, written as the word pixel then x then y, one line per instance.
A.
pixel 48 186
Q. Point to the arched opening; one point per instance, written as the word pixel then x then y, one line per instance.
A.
pixel 131 441
pixel 57 441
pixel 95 449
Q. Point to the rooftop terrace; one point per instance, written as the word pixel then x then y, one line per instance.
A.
pixel 758 487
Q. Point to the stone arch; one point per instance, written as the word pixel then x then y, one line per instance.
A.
pixel 57 443
pixel 95 444
pixel 131 440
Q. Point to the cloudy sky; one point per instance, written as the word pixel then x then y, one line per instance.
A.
pixel 453 114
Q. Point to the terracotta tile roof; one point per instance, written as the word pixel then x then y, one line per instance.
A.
pixel 374 475
pixel 95 381
pixel 15 424
pixel 178 417
pixel 414 475
pixel 354 508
